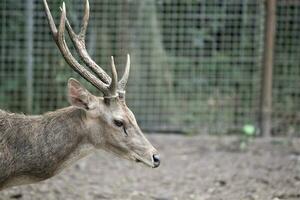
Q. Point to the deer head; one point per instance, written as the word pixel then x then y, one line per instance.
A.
pixel 110 124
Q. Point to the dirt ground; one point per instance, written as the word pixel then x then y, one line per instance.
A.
pixel 195 167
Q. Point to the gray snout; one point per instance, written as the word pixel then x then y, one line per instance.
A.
pixel 156 160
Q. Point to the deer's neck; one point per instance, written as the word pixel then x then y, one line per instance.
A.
pixel 68 136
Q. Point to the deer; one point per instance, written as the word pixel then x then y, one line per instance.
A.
pixel 34 148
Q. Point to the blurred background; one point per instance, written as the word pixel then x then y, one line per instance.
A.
pixel 200 68
pixel 197 65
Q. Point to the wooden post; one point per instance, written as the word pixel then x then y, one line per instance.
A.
pixel 29 54
pixel 266 95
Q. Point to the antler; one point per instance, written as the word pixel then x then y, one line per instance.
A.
pixel 109 86
pixel 79 43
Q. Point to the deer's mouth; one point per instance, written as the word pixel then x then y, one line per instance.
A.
pixel 129 156
pixel 140 159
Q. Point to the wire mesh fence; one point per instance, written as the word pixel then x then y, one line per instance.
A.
pixel 286 93
pixel 196 64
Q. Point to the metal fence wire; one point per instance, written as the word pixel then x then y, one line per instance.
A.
pixel 196 64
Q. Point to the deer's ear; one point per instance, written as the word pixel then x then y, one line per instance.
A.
pixel 79 96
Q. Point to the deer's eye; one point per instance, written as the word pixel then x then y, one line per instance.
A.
pixel 118 123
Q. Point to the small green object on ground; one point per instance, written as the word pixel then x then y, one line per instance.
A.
pixel 249 129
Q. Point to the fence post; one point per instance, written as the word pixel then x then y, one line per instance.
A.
pixel 266 92
pixel 29 54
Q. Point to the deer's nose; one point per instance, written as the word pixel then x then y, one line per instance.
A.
pixel 156 160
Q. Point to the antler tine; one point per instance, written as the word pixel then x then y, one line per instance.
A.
pixel 61 27
pixel 85 19
pixel 124 79
pixel 58 36
pixel 50 19
pixel 79 43
pixel 114 81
